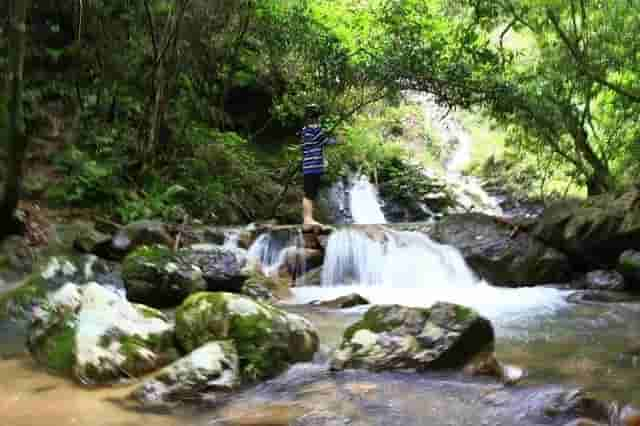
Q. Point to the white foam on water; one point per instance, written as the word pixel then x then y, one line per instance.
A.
pixel 410 269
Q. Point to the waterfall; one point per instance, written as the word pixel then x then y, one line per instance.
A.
pixel 364 202
pixel 392 259
pixel 273 252
pixel 406 268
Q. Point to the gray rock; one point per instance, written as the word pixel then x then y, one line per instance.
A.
pixel 208 371
pixel 223 268
pixel 603 280
pixel 502 254
pixel 159 277
pixel 134 235
pixel 344 302
pixel 397 337
pixel 593 231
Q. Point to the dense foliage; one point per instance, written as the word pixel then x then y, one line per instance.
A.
pixel 190 108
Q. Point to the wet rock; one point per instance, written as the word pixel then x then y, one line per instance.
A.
pixel 97 336
pixel 397 337
pixel 207 371
pixel 267 338
pixel 18 303
pixel 134 235
pixel 262 287
pixel 159 277
pixel 603 280
pixel 593 231
pixel 502 254
pixel 344 302
pixel 629 267
pixel 488 365
pixel 577 403
pixel 223 268
pixel 596 296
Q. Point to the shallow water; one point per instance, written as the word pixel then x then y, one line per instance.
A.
pixel 562 344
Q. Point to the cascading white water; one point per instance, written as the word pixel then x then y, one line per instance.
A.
pixel 410 269
pixel 364 202
pixel 270 253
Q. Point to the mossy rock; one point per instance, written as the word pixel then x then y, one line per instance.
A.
pixel 156 276
pixel 205 372
pixel 17 304
pixel 261 287
pixel 96 336
pixel 398 337
pixel 267 339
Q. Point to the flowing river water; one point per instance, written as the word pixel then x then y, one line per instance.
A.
pixel 561 345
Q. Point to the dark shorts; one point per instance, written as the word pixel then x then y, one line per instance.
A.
pixel 312 185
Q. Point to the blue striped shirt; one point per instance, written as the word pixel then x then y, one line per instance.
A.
pixel 313 142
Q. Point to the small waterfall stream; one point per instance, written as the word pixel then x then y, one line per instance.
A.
pixel 364 202
pixel 407 268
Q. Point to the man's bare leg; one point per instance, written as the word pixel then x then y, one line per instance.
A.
pixel 307 212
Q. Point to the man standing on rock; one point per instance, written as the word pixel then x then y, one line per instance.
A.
pixel 314 139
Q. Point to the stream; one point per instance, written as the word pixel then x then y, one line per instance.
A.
pixel 561 346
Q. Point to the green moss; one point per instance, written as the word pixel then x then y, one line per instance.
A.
pixel 57 350
pixel 149 312
pixel 463 313
pixel 376 320
pixel 135 261
pixel 261 339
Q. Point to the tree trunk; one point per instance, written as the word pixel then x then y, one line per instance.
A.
pixel 600 179
pixel 16 137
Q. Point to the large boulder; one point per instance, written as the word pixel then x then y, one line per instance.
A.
pixel 629 267
pixel 594 231
pixel 397 337
pixel 132 236
pixel 602 280
pixel 223 268
pixel 97 336
pixel 202 374
pixel 267 339
pixel 158 277
pixel 502 254
pixel 18 303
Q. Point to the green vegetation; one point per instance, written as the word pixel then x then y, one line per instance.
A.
pixel 179 109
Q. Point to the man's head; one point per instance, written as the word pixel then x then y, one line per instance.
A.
pixel 312 113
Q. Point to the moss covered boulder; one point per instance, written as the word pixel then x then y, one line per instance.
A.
pixel 203 374
pixel 594 231
pixel 157 276
pixel 267 338
pixel 18 303
pixel 97 336
pixel 397 337
pixel 502 254
pixel 160 277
